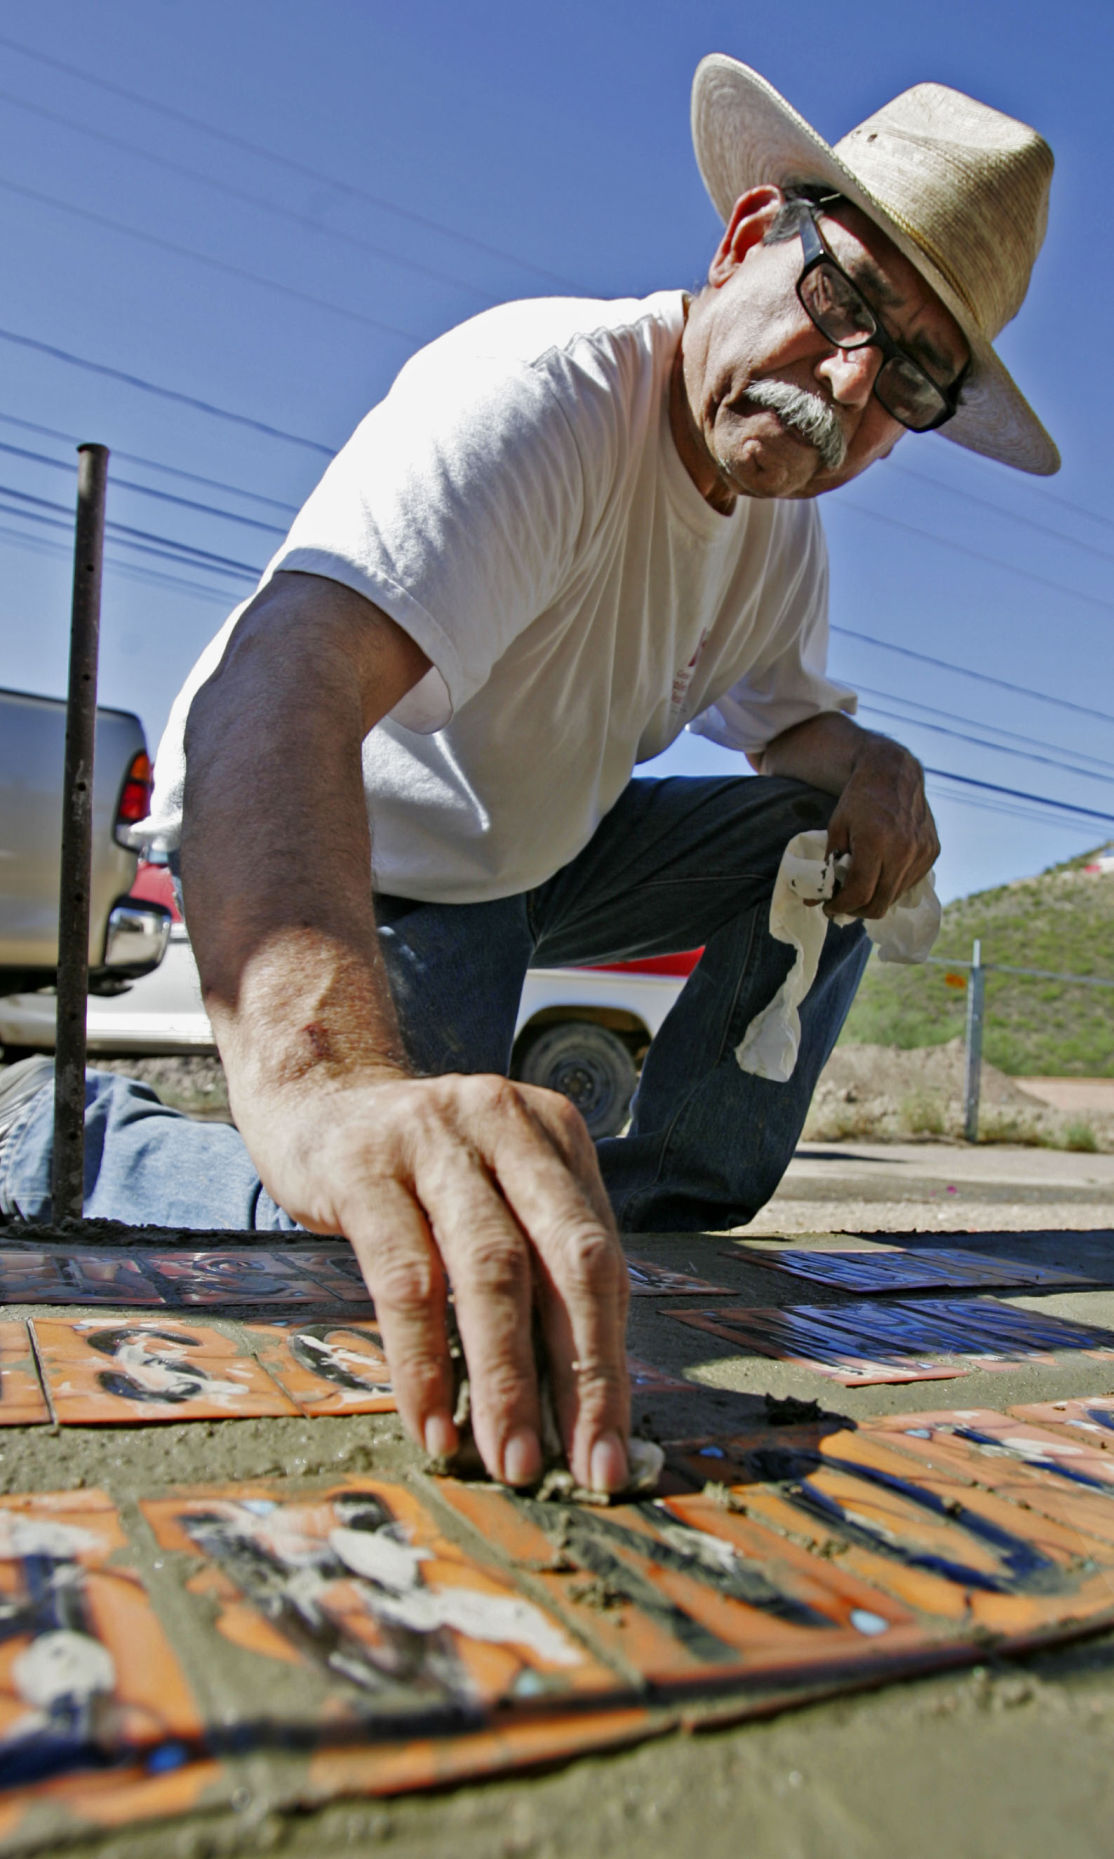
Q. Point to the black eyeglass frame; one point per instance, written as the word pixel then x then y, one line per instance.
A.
pixel 816 253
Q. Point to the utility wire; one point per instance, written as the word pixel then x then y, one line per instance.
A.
pixel 165 548
pixel 143 535
pixel 222 265
pixel 285 161
pixel 148 490
pixel 990 787
pixel 980 742
pixel 976 555
pixel 258 201
pixel 999 509
pixel 1027 741
pixel 132 571
pixel 153 464
pixel 165 393
pixel 981 677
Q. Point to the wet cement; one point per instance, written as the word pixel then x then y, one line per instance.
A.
pixel 1010 1760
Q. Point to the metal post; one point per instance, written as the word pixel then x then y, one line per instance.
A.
pixel 74 902
pixel 975 984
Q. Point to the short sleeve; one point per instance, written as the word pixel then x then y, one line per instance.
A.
pixel 455 507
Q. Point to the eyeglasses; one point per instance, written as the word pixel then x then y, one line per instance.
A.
pixel 843 316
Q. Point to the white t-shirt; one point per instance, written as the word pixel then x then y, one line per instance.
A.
pixel 517 504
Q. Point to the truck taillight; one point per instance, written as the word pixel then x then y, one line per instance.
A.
pixel 135 796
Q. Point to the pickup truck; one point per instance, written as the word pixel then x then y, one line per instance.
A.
pixel 127 937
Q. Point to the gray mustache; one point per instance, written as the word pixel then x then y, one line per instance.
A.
pixel 806 414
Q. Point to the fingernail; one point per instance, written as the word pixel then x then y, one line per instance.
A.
pixel 439 1435
pixel 609 1464
pixel 522 1457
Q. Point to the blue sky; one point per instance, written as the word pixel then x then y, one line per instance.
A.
pixel 266 207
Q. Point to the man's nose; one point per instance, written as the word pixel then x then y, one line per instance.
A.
pixel 850 374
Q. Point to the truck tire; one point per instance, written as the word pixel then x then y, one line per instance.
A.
pixel 589 1065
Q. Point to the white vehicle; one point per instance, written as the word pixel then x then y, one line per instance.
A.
pixel 581 1031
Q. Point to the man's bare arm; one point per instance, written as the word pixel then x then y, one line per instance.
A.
pixel 476 1181
pixel 882 817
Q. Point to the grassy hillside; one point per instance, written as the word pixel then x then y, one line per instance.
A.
pixel 1062 920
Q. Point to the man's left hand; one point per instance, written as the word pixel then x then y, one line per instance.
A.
pixel 881 816
pixel 883 820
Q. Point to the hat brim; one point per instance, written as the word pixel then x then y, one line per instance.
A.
pixel 746 135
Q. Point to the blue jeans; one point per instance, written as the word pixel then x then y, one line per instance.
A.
pixel 677 863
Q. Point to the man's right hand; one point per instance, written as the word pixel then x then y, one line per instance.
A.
pixel 474 1182
pixel 490 1187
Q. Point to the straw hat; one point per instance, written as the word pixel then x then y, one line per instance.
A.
pixel 960 189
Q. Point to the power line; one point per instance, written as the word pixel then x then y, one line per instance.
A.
pixel 990 787
pixel 1028 742
pixel 153 464
pixel 162 546
pixel 133 571
pixel 287 161
pixel 258 201
pixel 1014 516
pixel 222 265
pixel 143 535
pixel 976 555
pixel 980 742
pixel 981 677
pixel 148 490
pixel 164 393
pixel 1010 812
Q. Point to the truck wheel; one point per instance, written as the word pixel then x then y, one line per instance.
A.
pixel 590 1066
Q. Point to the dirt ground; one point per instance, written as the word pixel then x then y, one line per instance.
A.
pixel 865 1092
pixel 1008 1760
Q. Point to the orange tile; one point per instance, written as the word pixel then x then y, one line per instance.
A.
pixel 104 1372
pixel 88 1680
pixel 361 1580
pixel 435 1762
pixel 326 1368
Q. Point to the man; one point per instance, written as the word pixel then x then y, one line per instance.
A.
pixel 569 530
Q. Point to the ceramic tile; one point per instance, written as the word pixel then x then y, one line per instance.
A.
pixel 512 1743
pixel 101 1372
pixel 650 1280
pixel 361 1583
pixel 646 1378
pixel 216 1277
pixel 96 1718
pixel 936 1535
pixel 913 1268
pixel 326 1368
pixel 894 1341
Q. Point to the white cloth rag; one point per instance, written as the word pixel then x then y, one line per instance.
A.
pixel 807 877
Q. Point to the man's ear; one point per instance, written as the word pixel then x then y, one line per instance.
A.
pixel 751 215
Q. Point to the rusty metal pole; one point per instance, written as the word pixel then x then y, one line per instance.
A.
pixel 67 1186
pixel 973 1053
